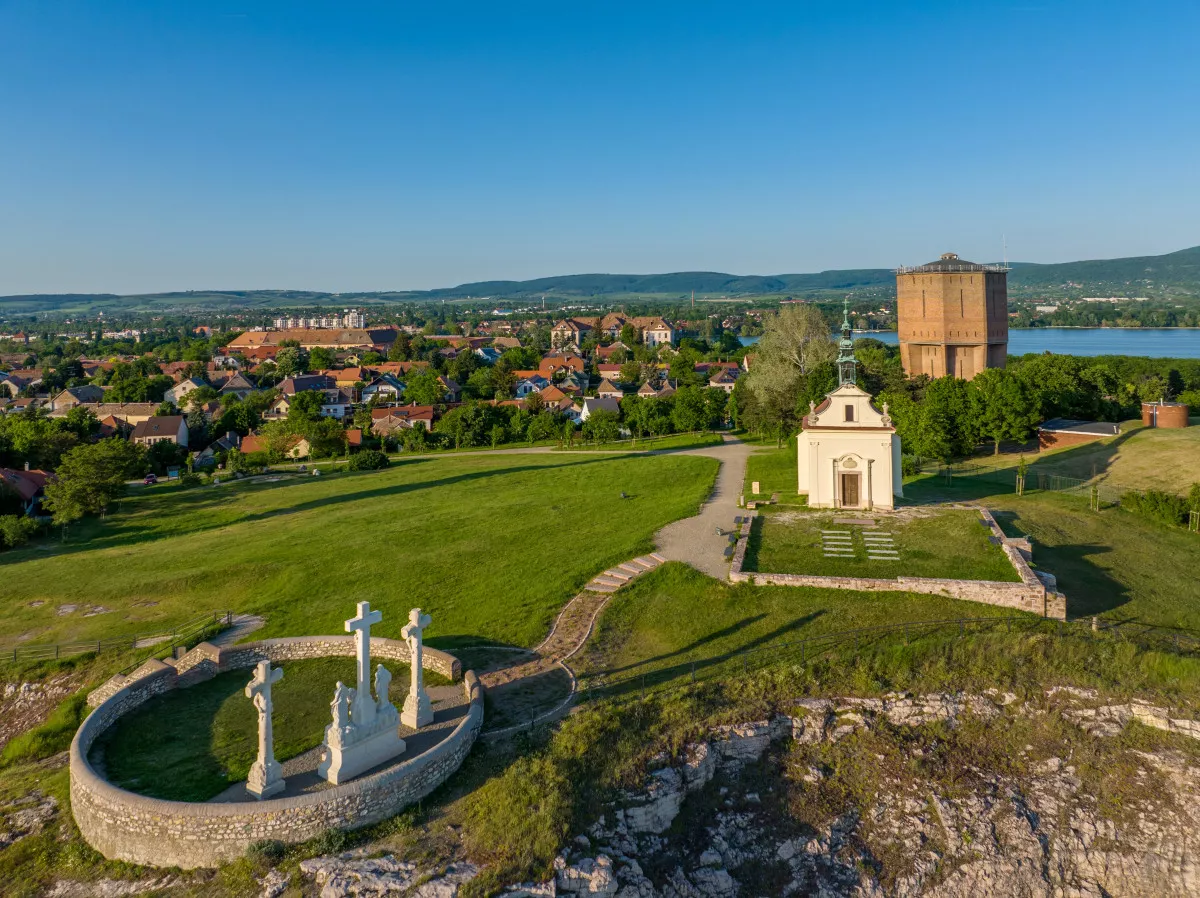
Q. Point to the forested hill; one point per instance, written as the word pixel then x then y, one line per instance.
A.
pixel 1174 273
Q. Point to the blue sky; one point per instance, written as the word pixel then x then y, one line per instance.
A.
pixel 355 146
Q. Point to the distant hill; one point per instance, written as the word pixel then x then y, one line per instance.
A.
pixel 1177 272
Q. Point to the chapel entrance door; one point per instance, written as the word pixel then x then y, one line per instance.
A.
pixel 850 490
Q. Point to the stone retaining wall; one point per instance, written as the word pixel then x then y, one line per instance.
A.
pixel 1029 595
pixel 125 826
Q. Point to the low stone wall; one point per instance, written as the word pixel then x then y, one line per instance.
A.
pixel 1029 595
pixel 125 826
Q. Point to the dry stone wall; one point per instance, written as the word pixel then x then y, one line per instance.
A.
pixel 1029 595
pixel 125 826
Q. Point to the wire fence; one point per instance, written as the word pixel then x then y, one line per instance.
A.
pixel 848 645
pixel 165 639
pixel 1099 492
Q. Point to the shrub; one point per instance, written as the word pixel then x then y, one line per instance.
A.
pixel 910 465
pixel 16 530
pixel 189 480
pixel 51 737
pixel 367 460
pixel 1190 398
pixel 1156 505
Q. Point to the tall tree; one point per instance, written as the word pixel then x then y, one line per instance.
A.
pixel 1002 407
pixel 91 477
pixel 795 341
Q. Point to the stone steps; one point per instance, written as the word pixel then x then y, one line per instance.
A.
pixel 617 574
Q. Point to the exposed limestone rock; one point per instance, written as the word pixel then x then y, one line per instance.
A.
pixel 1039 833
pixel 110 888
pixel 26 816
pixel 350 874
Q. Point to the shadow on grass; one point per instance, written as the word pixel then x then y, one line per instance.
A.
pixel 689 668
pixel 131 533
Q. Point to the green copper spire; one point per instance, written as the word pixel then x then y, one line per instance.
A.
pixel 846 365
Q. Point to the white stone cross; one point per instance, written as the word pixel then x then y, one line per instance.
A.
pixel 265 777
pixel 363 711
pixel 418 711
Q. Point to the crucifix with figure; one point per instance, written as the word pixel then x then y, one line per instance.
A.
pixel 418 711
pixel 266 776
pixel 362 711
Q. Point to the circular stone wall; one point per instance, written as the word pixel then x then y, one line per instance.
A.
pixel 126 826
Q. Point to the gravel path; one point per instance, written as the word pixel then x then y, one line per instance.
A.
pixel 695 540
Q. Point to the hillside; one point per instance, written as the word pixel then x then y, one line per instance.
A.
pixel 1174 273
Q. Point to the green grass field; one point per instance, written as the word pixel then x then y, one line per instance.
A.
pixel 945 542
pixel 492 546
pixel 1139 458
pixel 775 471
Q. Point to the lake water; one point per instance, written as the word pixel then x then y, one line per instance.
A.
pixel 1155 342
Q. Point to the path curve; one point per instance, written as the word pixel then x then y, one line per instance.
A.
pixel 694 541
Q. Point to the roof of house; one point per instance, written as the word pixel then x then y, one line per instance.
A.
pixel 354 436
pixel 607 386
pixel 724 376
pixel 1069 425
pixel 601 403
pixel 159 426
pixel 238 382
pixel 291 385
pixel 254 443
pixel 552 393
pixel 25 484
pixel 83 393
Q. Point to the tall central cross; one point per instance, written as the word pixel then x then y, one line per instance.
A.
pixel 264 778
pixel 361 628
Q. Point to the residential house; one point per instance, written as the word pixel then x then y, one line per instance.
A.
pixel 599 403
pixel 227 443
pixel 604 353
pixel 397 369
pixel 384 386
pixel 111 426
pixel 654 329
pixel 575 382
pixel 73 396
pixel 15 406
pixel 379 339
pixel 532 384
pixel 724 379
pixel 336 402
pixel 354 438
pixel 295 445
pixel 489 354
pixel 746 361
pixel 348 377
pixel 16 381
pixel 610 371
pixel 178 393
pixel 552 395
pixel 453 390
pixel 161 428
pixel 175 370
pixel 566 407
pixel 239 385
pixel 28 487
pixel 385 421
pixel 128 413
pixel 570 332
pixel 290 386
pixel 609 390
pixel 555 362
pixel 650 390
pixel 503 343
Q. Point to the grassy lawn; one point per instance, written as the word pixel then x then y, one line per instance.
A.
pixel 775 471
pixel 675 617
pixel 933 542
pixel 1138 458
pixel 492 546
pixel 1111 563
pixel 190 744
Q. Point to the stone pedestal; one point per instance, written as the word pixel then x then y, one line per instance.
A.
pixel 266 779
pixel 354 749
pixel 418 711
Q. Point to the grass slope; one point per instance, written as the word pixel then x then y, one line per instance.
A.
pixel 948 543
pixel 491 546
pixel 775 471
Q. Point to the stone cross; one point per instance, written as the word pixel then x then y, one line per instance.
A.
pixel 418 711
pixel 265 777
pixel 363 710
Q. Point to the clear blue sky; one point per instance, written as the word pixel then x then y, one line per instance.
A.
pixel 355 146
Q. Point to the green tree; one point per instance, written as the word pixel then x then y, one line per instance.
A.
pixel 690 411
pixel 631 372
pixel 794 342
pixel 290 361
pixel 321 358
pixel 424 388
pixel 91 477
pixel 945 429
pixel 400 348
pixel 602 426
pixel 1002 407
pixel 305 406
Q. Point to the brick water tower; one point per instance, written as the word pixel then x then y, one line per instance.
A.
pixel 952 317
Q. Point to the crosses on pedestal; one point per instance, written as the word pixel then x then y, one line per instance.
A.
pixel 266 776
pixel 363 710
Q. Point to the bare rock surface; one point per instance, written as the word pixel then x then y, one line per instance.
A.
pixel 768 808
pixel 353 874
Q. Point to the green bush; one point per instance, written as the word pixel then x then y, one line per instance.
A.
pixel 51 737
pixel 1190 398
pixel 910 465
pixel 187 481
pixel 16 530
pixel 1166 508
pixel 367 460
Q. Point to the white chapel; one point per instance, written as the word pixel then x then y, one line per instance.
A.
pixel 848 452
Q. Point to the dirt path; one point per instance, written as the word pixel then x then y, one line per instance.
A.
pixel 693 540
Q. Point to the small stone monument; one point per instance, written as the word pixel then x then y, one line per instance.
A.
pixel 365 730
pixel 266 776
pixel 418 712
pixel 754 487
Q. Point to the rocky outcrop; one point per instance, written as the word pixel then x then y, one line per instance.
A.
pixel 352 873
pixel 1029 825
pixel 24 706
